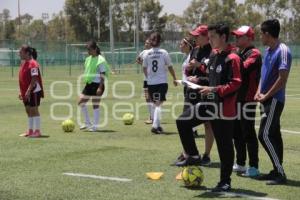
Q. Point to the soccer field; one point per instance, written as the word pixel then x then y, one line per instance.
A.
pixel 33 169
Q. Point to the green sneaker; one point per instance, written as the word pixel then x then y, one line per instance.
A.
pixel 251 172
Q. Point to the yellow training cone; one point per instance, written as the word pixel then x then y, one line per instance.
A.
pixel 154 175
pixel 179 176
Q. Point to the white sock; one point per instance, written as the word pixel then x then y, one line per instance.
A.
pixel 96 116
pixel 150 109
pixel 152 106
pixel 37 122
pixel 156 118
pixel 85 112
pixel 30 123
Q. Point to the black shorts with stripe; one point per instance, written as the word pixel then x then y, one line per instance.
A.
pixel 145 85
pixel 34 100
pixel 90 89
pixel 158 92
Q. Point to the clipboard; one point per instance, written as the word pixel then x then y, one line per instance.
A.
pixel 189 84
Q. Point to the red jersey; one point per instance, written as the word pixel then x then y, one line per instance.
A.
pixel 29 69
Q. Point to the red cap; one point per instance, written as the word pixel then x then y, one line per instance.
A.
pixel 244 30
pixel 200 30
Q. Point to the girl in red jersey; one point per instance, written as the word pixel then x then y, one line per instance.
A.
pixel 31 89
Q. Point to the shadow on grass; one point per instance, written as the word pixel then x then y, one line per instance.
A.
pixel 101 131
pixel 169 133
pixel 196 188
pixel 213 165
pixel 40 137
pixel 106 131
pixel 293 183
pixel 199 136
pixel 234 193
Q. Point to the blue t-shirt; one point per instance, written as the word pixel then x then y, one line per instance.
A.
pixel 275 60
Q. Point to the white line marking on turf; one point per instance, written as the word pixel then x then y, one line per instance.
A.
pixel 233 194
pixel 292 95
pixel 98 177
pixel 285 131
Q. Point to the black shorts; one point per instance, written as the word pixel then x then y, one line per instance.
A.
pixel 145 85
pixel 90 89
pixel 158 92
pixel 34 100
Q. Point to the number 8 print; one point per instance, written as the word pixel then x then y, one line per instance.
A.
pixel 154 66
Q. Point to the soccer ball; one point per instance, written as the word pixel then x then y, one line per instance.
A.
pixel 68 125
pixel 128 119
pixel 192 176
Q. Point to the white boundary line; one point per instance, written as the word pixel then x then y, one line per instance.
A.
pixel 233 194
pixel 285 131
pixel 292 95
pixel 98 177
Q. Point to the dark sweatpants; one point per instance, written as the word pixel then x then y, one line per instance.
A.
pixel 245 139
pixel 270 134
pixel 223 132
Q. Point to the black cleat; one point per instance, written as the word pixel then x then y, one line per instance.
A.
pixel 222 187
pixel 160 129
pixel 189 161
pixel 268 177
pixel 205 160
pixel 156 131
pixel 278 180
pixel 180 158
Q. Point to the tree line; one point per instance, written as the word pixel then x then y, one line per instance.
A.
pixel 80 20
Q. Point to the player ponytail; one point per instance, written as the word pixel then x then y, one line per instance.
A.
pixel 93 45
pixel 34 53
pixel 98 50
pixel 30 51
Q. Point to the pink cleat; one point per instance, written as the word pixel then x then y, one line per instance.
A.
pixel 27 133
pixel 35 134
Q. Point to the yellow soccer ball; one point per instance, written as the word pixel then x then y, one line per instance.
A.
pixel 68 125
pixel 128 119
pixel 192 176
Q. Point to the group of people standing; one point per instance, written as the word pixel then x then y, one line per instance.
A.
pixel 237 80
pixel 232 79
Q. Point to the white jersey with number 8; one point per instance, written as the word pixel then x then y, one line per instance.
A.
pixel 156 61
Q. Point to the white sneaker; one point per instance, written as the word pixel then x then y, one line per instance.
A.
pixel 85 126
pixel 92 129
pixel 239 168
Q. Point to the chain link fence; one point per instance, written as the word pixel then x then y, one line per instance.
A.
pixel 122 59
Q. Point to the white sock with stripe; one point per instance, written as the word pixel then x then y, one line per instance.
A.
pixel 152 106
pixel 149 105
pixel 96 117
pixel 85 112
pixel 37 122
pixel 30 123
pixel 156 118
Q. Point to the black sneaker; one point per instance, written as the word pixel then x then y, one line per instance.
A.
pixel 189 161
pixel 205 160
pixel 278 180
pixel 268 177
pixel 156 131
pixel 222 187
pixel 160 129
pixel 180 158
pixel 195 134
